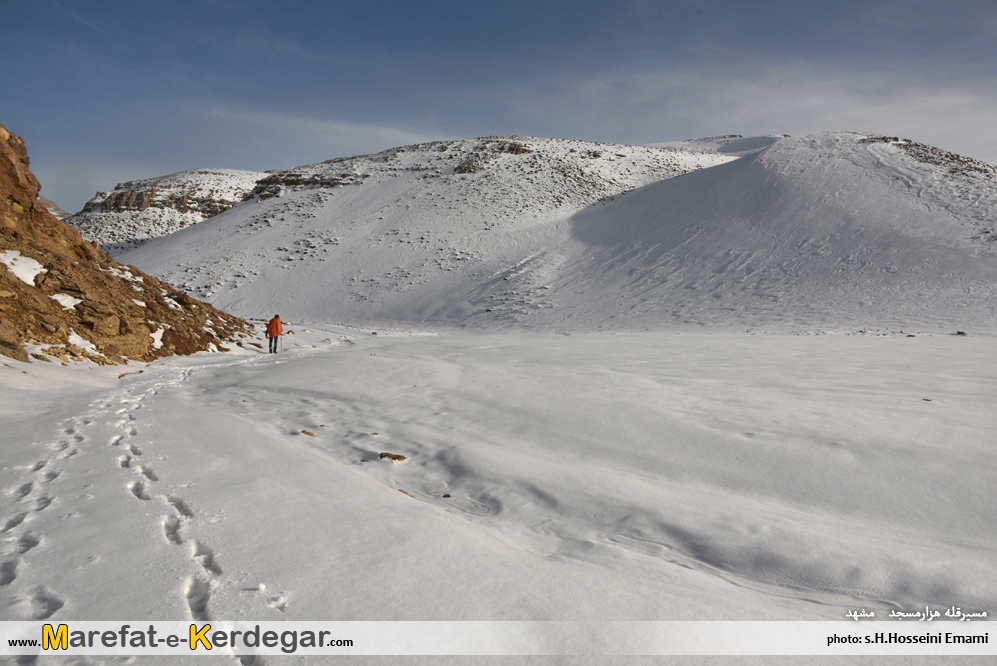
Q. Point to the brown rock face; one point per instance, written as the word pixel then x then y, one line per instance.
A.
pixel 76 301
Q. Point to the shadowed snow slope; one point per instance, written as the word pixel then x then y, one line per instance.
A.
pixel 827 229
pixel 831 230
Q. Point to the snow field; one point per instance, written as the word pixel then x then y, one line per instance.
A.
pixel 598 476
pixel 769 462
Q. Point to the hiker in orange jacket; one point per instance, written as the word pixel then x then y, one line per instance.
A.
pixel 274 329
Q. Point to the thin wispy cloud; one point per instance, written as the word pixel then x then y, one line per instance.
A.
pixel 78 17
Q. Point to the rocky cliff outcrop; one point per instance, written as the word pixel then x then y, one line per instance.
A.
pixel 138 210
pixel 62 297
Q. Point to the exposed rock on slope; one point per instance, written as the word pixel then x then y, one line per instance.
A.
pixel 65 298
pixel 512 176
pixel 143 209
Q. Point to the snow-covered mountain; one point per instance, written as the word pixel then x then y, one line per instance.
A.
pixel 832 230
pixel 138 210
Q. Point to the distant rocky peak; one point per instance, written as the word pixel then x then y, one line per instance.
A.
pixel 137 210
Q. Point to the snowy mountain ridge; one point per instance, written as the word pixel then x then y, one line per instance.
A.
pixel 441 207
pixel 832 230
pixel 138 210
pixel 568 173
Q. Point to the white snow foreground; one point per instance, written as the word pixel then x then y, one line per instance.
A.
pixel 837 230
pixel 593 477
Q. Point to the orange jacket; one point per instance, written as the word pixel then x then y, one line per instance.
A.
pixel 274 328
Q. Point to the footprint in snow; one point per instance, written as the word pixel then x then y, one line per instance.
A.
pixel 8 572
pixel 205 557
pixel 179 505
pixel 197 593
pixel 26 542
pixel 13 522
pixel 137 489
pixel 147 472
pixel 171 529
pixel 41 603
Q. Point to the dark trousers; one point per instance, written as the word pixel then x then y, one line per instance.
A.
pixel 273 344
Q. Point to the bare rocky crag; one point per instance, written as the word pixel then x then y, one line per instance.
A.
pixel 79 303
pixel 141 195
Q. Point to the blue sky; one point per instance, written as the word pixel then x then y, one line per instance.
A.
pixel 104 92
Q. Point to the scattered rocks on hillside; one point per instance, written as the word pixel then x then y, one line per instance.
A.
pixel 63 297
pixel 956 164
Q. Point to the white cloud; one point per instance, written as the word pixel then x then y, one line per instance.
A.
pixel 759 97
